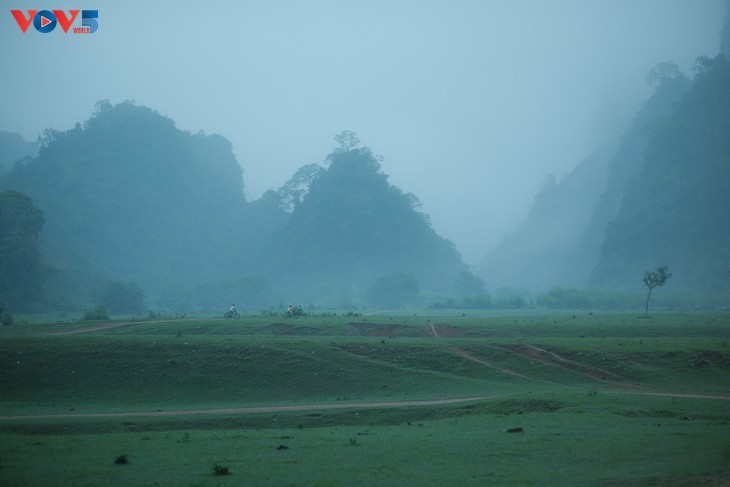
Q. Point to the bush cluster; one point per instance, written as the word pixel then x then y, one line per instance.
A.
pixel 483 301
pixel 5 317
pixel 98 313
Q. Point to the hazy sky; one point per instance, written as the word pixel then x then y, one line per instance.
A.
pixel 471 103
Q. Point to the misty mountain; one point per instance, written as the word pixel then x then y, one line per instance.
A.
pixel 676 211
pixel 133 206
pixel 558 243
pixel 353 228
pixel 129 195
pixel 14 147
pixel 545 249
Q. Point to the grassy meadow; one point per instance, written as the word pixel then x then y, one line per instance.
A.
pixel 510 399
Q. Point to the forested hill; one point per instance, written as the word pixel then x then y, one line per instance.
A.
pixel 558 244
pixel 353 229
pixel 676 212
pixel 137 206
pixel 130 196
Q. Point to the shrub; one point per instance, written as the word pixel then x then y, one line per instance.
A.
pixel 5 317
pixel 511 302
pixel 578 298
pixel 98 313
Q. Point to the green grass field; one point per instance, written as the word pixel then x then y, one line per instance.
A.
pixel 540 399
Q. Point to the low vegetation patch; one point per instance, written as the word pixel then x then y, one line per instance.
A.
pixel 220 470
pixel 666 400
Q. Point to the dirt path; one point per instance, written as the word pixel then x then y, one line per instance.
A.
pixel 551 358
pixel 511 372
pixel 547 357
pixel 259 409
pixel 471 357
pixel 631 391
pixel 673 394
pixel 530 351
pixel 106 326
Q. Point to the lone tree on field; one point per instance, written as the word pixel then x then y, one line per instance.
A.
pixel 653 279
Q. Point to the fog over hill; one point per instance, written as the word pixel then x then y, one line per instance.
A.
pixel 471 103
pixel 129 201
pixel 559 243
pixel 658 198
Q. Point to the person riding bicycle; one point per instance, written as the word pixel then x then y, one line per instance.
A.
pixel 290 311
pixel 232 310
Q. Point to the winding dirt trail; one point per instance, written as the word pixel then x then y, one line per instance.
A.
pixel 600 375
pixel 259 409
pixel 471 357
pixel 531 351
pixel 107 326
pixel 511 372
pixel 673 394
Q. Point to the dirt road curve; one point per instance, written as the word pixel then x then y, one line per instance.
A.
pixel 314 407
pixel 674 394
pixel 106 326
pixel 260 409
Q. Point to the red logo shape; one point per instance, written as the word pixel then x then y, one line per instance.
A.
pixel 23 23
pixel 65 21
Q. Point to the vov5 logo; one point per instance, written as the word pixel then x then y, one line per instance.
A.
pixel 45 21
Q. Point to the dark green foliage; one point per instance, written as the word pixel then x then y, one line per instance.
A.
pixel 5 318
pixel 220 470
pixel 654 279
pixel 393 290
pixel 21 268
pixel 587 299
pixel 121 460
pixel 98 313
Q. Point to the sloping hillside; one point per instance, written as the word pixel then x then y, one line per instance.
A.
pixel 558 243
pixel 129 195
pixel 676 212
pixel 353 227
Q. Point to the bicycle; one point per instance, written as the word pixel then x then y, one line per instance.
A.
pixel 231 315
